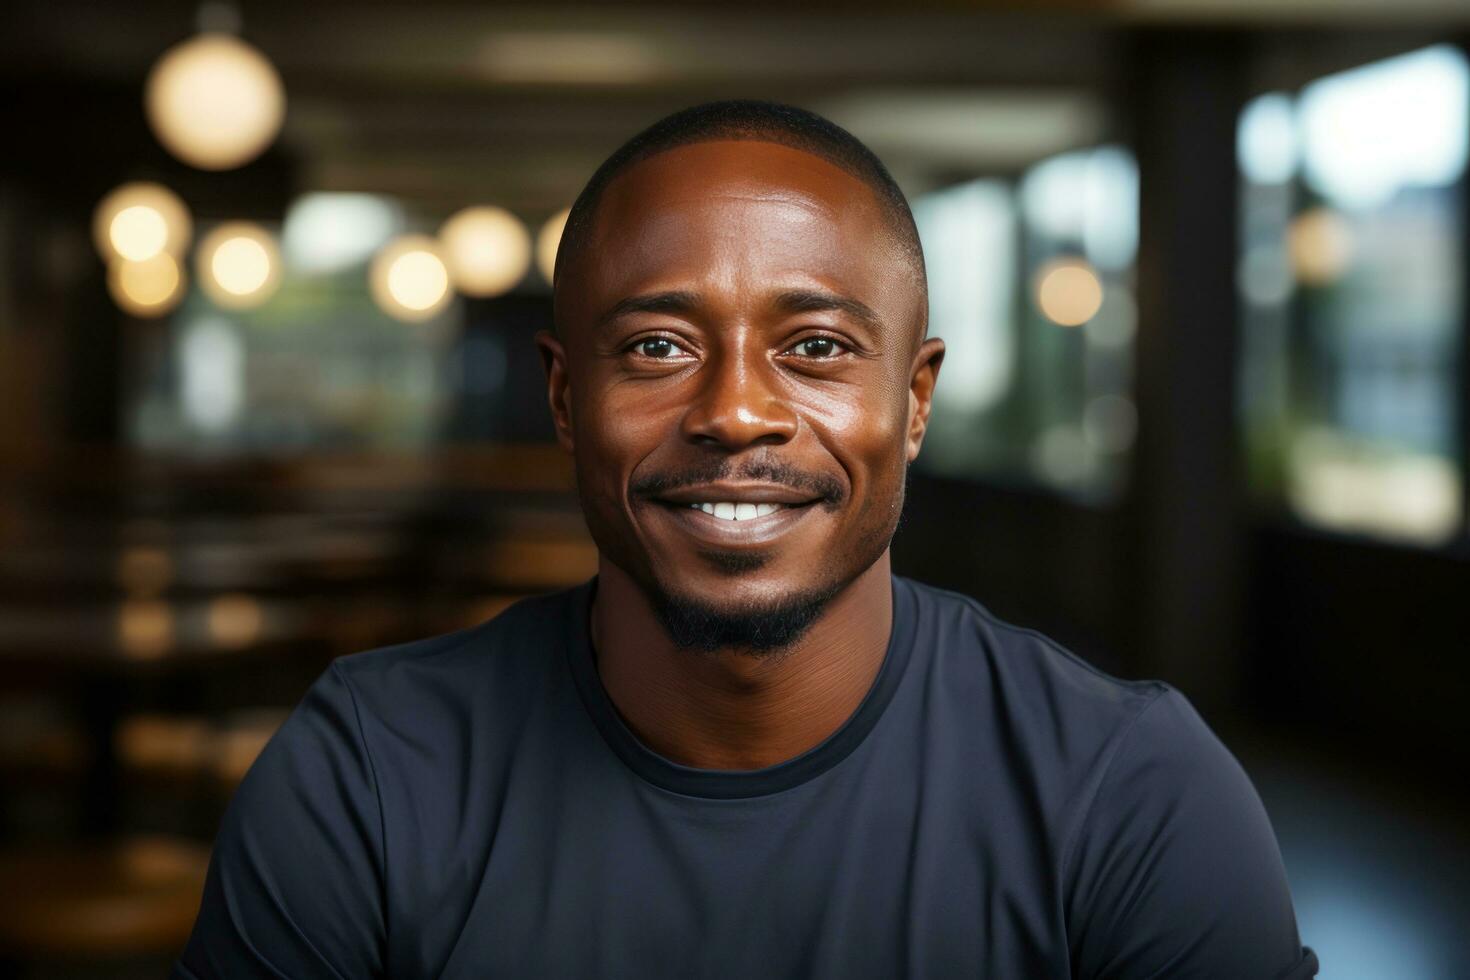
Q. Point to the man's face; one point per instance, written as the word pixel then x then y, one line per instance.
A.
pixel 742 327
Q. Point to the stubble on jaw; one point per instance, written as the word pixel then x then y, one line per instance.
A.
pixel 767 632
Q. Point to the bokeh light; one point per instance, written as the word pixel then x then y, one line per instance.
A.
pixel 139 220
pixel 1266 139
pixel 409 279
pixel 487 250
pixel 238 265
pixel 149 288
pixel 214 101
pixel 330 232
pixel 145 628
pixel 1068 292
pixel 548 241
pixel 1320 244
pixel 234 620
pixel 138 232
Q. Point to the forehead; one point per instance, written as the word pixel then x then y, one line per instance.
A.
pixel 737 214
pixel 731 165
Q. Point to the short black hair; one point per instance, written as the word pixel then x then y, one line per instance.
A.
pixel 748 119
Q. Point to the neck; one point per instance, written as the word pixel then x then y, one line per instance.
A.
pixel 730 710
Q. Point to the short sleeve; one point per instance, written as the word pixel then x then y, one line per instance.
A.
pixel 1175 871
pixel 296 877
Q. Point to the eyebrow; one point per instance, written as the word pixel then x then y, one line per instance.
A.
pixel 789 301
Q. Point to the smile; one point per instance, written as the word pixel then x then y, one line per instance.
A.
pixel 734 524
pixel 731 511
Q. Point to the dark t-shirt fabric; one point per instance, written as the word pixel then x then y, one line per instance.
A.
pixel 472 805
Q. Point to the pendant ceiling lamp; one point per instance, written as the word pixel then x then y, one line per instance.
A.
pixel 487 249
pixel 238 265
pixel 214 101
pixel 139 220
pixel 409 279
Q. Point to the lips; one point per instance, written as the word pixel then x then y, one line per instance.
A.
pixel 738 493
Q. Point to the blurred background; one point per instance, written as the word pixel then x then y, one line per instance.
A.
pixel 269 274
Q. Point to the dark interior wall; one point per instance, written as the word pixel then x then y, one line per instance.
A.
pixel 1367 640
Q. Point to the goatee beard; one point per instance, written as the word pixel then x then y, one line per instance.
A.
pixel 765 631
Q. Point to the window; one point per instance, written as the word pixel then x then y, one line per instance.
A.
pixel 1030 286
pixel 1350 278
pixel 317 365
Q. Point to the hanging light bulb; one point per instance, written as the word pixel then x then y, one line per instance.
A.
pixel 408 278
pixel 548 241
pixel 137 221
pixel 148 288
pixel 214 101
pixel 487 249
pixel 238 265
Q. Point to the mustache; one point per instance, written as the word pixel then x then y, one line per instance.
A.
pixel 826 488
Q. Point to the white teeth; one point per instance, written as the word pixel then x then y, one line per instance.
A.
pixel 731 511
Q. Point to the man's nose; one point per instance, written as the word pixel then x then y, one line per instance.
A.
pixel 740 402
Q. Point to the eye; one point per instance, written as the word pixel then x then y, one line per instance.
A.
pixel 819 348
pixel 657 348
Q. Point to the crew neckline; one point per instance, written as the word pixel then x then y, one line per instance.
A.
pixel 729 784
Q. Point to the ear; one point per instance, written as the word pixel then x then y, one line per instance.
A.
pixel 921 391
pixel 558 386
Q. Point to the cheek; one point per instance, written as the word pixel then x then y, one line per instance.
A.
pixel 616 427
pixel 626 423
pixel 867 426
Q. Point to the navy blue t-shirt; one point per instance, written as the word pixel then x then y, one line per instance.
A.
pixel 472 805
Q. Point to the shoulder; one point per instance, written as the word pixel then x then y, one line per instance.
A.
pixel 1052 699
pixel 494 660
pixel 1165 854
pixel 1174 866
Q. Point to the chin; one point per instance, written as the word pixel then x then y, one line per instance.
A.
pixel 764 626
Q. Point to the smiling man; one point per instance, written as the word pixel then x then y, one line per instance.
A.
pixel 745 748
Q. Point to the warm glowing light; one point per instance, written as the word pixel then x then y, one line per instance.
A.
pixel 150 288
pixel 1068 292
pixel 1320 243
pixel 548 241
pixel 161 742
pixel 239 265
pixel 418 280
pixel 234 620
pixel 140 220
pixel 138 233
pixel 214 101
pixel 487 249
pixel 409 279
pixel 145 628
